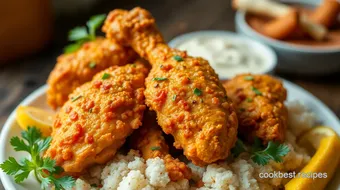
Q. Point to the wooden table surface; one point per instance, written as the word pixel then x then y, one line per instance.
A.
pixel 18 79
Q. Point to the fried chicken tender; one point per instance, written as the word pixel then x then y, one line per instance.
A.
pixel 185 92
pixel 97 118
pixel 261 112
pixel 149 140
pixel 74 69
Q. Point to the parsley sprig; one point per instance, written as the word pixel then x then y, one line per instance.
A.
pixel 260 155
pixel 81 34
pixel 44 169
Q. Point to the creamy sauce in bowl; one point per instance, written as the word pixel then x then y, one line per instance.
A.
pixel 228 55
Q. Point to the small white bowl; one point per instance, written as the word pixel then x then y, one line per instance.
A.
pixel 293 58
pixel 260 49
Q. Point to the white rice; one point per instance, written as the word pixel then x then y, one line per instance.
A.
pixel 131 172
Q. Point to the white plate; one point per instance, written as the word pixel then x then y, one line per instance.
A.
pixel 38 98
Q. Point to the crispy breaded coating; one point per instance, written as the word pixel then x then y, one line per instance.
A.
pixel 74 69
pixel 149 140
pixel 185 92
pixel 97 118
pixel 259 100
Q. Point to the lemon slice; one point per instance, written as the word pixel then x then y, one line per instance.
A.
pixel 324 162
pixel 31 116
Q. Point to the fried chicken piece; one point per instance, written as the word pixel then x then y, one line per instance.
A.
pixel 97 118
pixel 260 108
pixel 74 69
pixel 185 92
pixel 149 140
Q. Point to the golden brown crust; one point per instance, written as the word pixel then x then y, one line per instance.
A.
pixel 260 108
pixel 149 140
pixel 202 121
pixel 73 70
pixel 97 118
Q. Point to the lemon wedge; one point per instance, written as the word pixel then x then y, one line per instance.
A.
pixel 31 116
pixel 324 162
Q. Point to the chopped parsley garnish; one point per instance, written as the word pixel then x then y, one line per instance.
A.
pixel 174 97
pixel 197 92
pixel 92 65
pixel 249 100
pixel 178 58
pixel 76 98
pixel 106 76
pixel 159 79
pixel 155 148
pixel 44 168
pixel 260 155
pixel 248 78
pixel 82 34
pixel 134 65
pixel 274 151
pixel 257 91
pixel 242 109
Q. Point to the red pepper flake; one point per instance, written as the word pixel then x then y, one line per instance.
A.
pixel 78 133
pixel 106 86
pixel 215 101
pixel 86 46
pixel 68 109
pixel 97 84
pixel 74 116
pixel 89 139
pixel 57 123
pixel 89 105
pixel 161 96
pixel 184 104
pixel 166 67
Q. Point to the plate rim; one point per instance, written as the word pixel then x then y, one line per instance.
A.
pixel 5 179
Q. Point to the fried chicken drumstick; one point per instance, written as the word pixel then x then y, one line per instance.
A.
pixel 185 92
pixel 149 140
pixel 74 69
pixel 97 118
pixel 260 108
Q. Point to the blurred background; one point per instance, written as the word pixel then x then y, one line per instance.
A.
pixel 33 33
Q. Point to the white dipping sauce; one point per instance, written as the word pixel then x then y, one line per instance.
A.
pixel 228 57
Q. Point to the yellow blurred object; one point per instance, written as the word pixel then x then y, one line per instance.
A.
pixel 26 27
pixel 324 162
pixel 31 116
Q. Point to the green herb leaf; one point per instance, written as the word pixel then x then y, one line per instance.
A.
pixel 257 91
pixel 94 23
pixel 155 148
pixel 44 144
pixel 197 92
pixel 242 110
pixel 76 98
pixel 72 47
pixel 174 97
pixel 92 65
pixel 249 100
pixel 106 76
pixel 10 166
pixel 78 33
pixel 178 58
pixel 21 177
pixel 65 182
pixel 19 145
pixel 274 151
pixel 32 135
pixel 248 78
pixel 81 34
pixel 238 148
pixel 159 79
